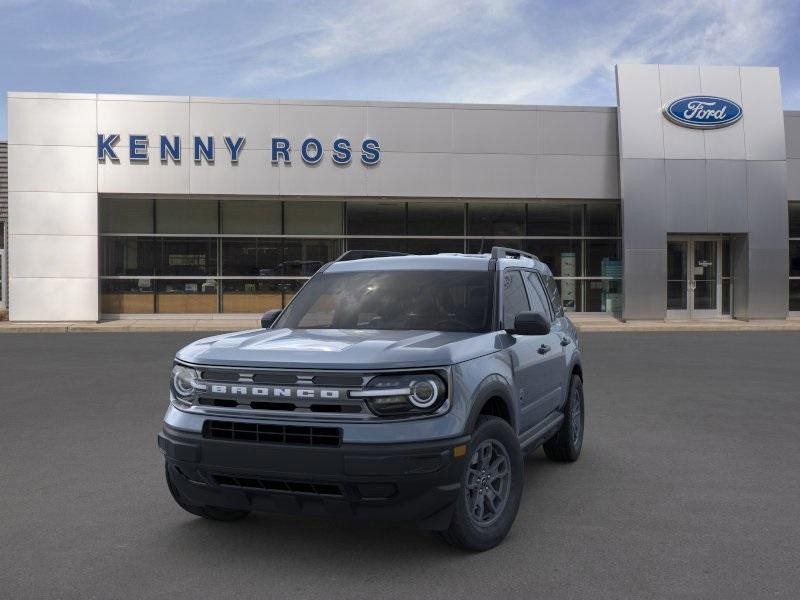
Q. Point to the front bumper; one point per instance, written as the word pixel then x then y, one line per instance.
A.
pixel 416 482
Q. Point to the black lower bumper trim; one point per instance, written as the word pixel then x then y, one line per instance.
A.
pixel 410 481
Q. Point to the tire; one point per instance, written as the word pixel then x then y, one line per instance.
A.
pixel 566 444
pixel 215 513
pixel 482 519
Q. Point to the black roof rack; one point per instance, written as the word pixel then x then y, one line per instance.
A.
pixel 502 252
pixel 359 254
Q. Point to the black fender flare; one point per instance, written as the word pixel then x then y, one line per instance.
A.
pixel 493 386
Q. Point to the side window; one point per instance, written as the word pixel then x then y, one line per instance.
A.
pixel 515 299
pixel 539 300
pixel 555 297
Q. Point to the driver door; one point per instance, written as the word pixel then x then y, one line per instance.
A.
pixel 529 355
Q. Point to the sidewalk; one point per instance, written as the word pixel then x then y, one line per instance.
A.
pixel 585 323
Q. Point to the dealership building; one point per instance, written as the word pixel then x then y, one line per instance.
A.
pixel 683 201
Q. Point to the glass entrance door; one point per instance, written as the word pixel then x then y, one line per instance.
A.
pixel 693 277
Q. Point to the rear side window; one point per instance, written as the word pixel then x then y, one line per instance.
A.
pixel 515 298
pixel 555 296
pixel 539 299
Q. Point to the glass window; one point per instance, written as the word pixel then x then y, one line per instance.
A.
pixel 549 219
pixel 570 290
pixel 186 216
pixel 551 287
pixel 376 218
pixel 127 296
pixel 485 245
pixel 794 258
pixel 394 300
pixel 251 256
pixel 794 294
pixel 429 246
pixel 253 295
pixel 189 256
pixel 192 296
pixel 255 217
pixel 604 296
pixel 602 219
pixel 515 299
pixel 129 255
pixel 126 215
pixel 562 256
pixel 306 256
pixel 603 258
pixel 496 218
pixel 393 245
pixel 794 219
pixel 435 218
pixel 312 218
pixel 538 299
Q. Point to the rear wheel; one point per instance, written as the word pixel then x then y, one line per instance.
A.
pixel 215 513
pixel 566 444
pixel 491 488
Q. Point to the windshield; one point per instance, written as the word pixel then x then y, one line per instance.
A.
pixel 383 300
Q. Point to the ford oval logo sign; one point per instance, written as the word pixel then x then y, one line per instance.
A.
pixel 703 112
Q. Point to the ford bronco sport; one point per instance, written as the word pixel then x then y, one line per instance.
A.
pixel 403 387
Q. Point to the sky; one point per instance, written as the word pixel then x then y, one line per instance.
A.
pixel 501 51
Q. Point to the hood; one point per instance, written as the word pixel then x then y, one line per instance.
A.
pixel 339 348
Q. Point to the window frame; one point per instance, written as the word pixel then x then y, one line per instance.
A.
pixel 502 289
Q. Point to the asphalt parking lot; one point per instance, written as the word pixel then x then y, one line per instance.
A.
pixel 688 487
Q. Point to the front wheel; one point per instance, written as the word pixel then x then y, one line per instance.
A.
pixel 566 444
pixel 491 488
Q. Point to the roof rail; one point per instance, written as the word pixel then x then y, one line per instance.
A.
pixel 359 254
pixel 502 252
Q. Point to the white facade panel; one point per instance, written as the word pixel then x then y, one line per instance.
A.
pixel 325 178
pixel 411 129
pixel 580 133
pixel 494 175
pixel 679 81
pixel 325 123
pixel 763 126
pixel 258 122
pixel 53 213
pixel 639 99
pixel 53 255
pixel 51 169
pixel 577 177
pixel 411 174
pixel 728 142
pixel 252 175
pixel 153 118
pixel 495 131
pixel 52 122
pixel 54 299
pixel 150 177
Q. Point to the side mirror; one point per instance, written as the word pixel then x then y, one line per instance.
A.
pixel 269 317
pixel 531 323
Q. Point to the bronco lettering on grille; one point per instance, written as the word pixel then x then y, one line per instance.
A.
pixel 275 392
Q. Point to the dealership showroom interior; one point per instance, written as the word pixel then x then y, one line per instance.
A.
pixel 131 207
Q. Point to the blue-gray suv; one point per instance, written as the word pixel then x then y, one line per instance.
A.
pixel 402 387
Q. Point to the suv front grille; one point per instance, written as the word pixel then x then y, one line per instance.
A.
pixel 280 485
pixel 272 434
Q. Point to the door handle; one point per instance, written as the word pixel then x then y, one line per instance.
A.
pixel 543 349
pixel 565 341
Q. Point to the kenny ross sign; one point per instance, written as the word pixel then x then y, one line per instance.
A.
pixel 703 112
pixel 204 148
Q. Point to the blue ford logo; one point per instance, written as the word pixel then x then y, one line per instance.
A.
pixel 703 112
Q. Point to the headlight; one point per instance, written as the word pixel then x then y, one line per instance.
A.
pixel 404 394
pixel 184 380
